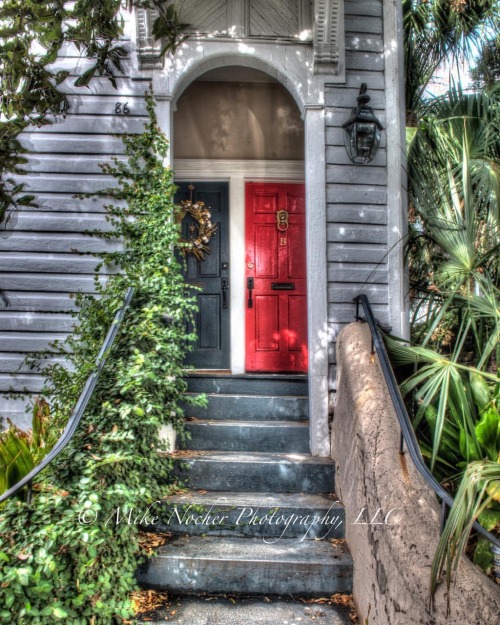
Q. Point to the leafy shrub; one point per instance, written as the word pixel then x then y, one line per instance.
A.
pixel 66 557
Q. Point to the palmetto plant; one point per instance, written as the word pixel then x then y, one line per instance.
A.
pixel 436 31
pixel 453 253
pixel 20 451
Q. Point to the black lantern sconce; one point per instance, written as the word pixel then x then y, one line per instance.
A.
pixel 362 131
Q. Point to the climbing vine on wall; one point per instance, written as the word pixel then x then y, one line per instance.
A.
pixel 67 557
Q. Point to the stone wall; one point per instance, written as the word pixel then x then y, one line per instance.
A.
pixel 392 561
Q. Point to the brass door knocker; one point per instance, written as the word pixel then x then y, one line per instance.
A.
pixel 282 220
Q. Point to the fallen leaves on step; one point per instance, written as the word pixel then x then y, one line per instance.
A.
pixel 339 599
pixel 149 541
pixel 145 601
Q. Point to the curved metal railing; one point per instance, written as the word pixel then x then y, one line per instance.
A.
pixel 80 406
pixel 407 431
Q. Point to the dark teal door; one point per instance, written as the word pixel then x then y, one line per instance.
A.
pixel 212 275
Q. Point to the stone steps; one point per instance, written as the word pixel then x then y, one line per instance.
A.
pixel 260 517
pixel 255 471
pixel 268 436
pixel 194 564
pixel 251 407
pixel 246 384
pixel 214 610
pixel 265 515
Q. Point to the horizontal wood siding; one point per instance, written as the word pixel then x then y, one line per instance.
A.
pixel 40 263
pixel 356 194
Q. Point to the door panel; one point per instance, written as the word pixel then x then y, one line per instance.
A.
pixel 212 348
pixel 276 313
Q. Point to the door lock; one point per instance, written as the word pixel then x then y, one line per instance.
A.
pixel 225 289
pixel 250 287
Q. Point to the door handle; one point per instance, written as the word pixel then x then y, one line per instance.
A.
pixel 250 287
pixel 225 289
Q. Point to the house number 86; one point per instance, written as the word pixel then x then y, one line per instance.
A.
pixel 122 110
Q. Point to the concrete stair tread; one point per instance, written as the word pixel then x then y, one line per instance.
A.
pixel 250 397
pixel 248 423
pixel 266 500
pixel 250 457
pixel 229 549
pixel 286 377
pixel 247 565
pixel 254 514
pixel 243 611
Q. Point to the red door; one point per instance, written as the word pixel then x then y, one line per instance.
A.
pixel 276 305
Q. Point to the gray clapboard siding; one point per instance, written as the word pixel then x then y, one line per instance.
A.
pixel 29 342
pixel 359 274
pixel 374 79
pixel 350 174
pixel 336 155
pixel 356 233
pixel 70 164
pixel 340 292
pixel 357 24
pixel 39 302
pixel 51 263
pixel 48 282
pixel 359 194
pixel 55 242
pixel 36 221
pixel 82 104
pixel 66 202
pixel 102 86
pixel 15 362
pixel 340 97
pixel 94 124
pixel 76 66
pixel 37 245
pixel 364 60
pixel 364 43
pixel 345 312
pixel 64 183
pixel 357 213
pixel 59 143
pixel 356 253
pixel 363 8
pixel 356 195
pixel 42 322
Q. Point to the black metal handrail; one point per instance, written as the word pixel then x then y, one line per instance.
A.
pixel 407 431
pixel 80 406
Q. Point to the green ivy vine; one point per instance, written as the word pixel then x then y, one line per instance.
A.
pixel 63 558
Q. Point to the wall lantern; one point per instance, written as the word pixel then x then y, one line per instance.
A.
pixel 362 131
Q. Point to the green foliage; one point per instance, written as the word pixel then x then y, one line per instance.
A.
pixel 66 557
pixel 21 451
pixel 471 501
pixel 486 73
pixel 32 34
pixel 437 31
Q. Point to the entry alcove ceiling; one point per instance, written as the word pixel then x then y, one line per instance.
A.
pixel 237 113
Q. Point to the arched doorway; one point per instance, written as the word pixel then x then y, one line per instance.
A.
pixel 238 139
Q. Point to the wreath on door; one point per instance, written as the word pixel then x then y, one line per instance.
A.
pixel 202 232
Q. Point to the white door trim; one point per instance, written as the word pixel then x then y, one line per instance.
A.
pixel 237 173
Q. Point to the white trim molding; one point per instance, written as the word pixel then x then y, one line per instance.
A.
pixel 329 47
pixel 396 168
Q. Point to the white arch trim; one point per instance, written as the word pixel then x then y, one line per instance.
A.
pixel 292 65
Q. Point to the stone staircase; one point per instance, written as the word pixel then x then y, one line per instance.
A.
pixel 260 520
